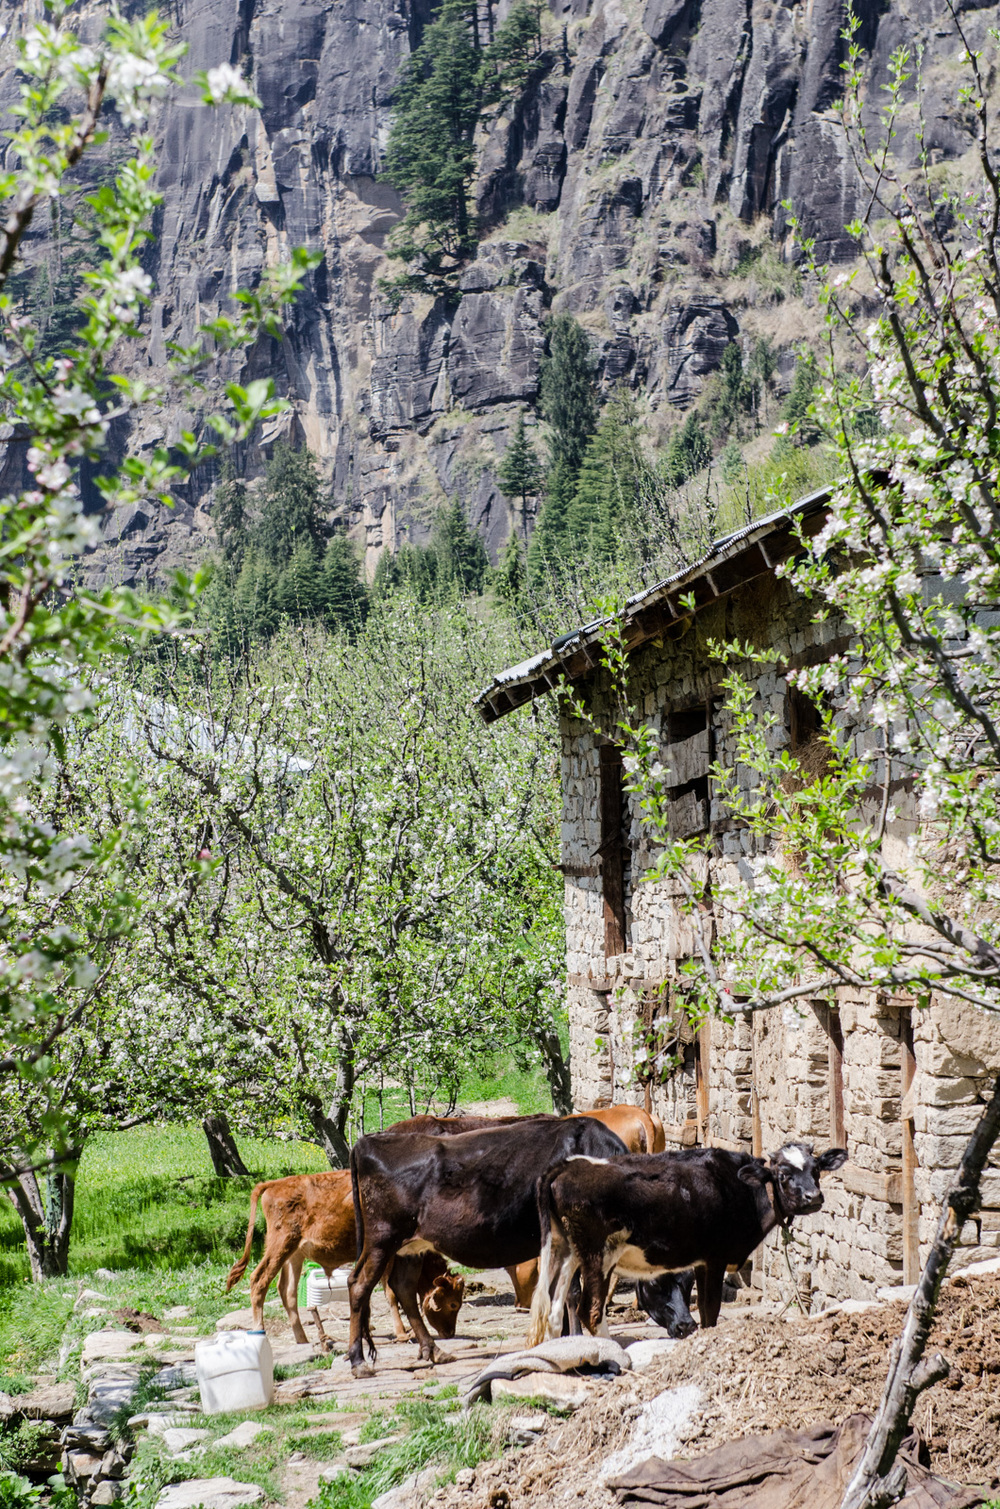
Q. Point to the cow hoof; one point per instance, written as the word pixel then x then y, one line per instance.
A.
pixel 442 1357
pixel 363 1370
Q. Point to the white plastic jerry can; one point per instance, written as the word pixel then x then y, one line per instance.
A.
pixel 321 1290
pixel 235 1371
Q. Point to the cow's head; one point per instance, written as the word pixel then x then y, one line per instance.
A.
pixel 793 1172
pixel 443 1302
pixel 666 1300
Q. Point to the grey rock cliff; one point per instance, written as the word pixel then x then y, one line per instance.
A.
pixel 654 151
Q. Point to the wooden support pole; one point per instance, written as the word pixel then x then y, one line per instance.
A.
pixel 703 1070
pixel 835 1041
pixel 911 1206
pixel 756 1131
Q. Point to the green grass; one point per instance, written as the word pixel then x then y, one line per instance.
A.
pixel 148 1199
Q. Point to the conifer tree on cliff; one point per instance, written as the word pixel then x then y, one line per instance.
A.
pixel 430 158
pixel 520 473
pixel 569 403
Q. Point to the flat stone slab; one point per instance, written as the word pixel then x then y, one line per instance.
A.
pixel 211 1493
pixel 235 1320
pixel 103 1346
pixel 359 1457
pixel 54 1401
pixel 244 1435
pixel 568 1393
pixel 159 1424
pixel 177 1438
pixel 645 1353
pixel 178 1312
pixel 289 1354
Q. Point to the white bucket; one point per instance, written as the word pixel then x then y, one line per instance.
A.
pixel 321 1290
pixel 235 1371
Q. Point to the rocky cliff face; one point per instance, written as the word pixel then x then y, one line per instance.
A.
pixel 638 184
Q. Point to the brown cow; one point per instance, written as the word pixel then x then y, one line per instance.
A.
pixel 311 1217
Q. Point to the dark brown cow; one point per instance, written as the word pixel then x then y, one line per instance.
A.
pixel 469 1197
pixel 705 1209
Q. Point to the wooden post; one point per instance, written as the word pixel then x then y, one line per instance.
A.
pixel 756 1132
pixel 835 1049
pixel 911 1206
pixel 702 1076
pixel 612 851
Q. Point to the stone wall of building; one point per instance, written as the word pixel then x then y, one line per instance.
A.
pixel 770 1076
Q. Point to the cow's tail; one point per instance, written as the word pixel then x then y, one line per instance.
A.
pixel 359 1239
pixel 238 1269
pixel 659 1135
pixel 552 1231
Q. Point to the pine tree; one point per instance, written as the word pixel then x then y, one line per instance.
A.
pixel 514 55
pixel 609 488
pixel 511 573
pixel 255 606
pixel 293 505
pixel 345 598
pixel 461 554
pixel 430 157
pixel 299 594
pixel 520 473
pixel 547 551
pixel 795 409
pixel 230 517
pixel 688 451
pixel 568 394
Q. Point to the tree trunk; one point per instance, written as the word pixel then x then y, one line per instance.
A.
pixel 329 1135
pixel 557 1072
pixel 878 1481
pixel 47 1223
pixel 225 1154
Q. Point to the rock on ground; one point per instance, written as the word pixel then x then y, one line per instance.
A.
pixel 244 1435
pixel 209 1493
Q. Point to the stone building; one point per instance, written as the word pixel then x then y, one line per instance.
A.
pixel 896 1084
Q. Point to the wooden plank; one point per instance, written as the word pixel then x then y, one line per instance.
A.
pixel 911 1205
pixel 687 759
pixel 600 984
pixel 862 1181
pixel 612 851
pixel 726 1145
pixel 703 1077
pixel 835 1050
pixel 684 1132
pixel 757 1134
pixel 687 814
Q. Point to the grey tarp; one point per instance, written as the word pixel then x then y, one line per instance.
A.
pixel 788 1469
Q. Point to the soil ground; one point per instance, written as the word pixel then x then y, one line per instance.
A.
pixel 757 1372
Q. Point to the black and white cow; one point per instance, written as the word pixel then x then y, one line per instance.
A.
pixel 704 1208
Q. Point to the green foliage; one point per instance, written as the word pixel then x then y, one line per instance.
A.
pixel 567 390
pixel 66 896
pixel 292 510
pixel 510 579
pixel 430 157
pixel 514 56
pixel 452 564
pixel 283 565
pixel 611 482
pixel 800 426
pixel 548 546
pixel 17 1492
pixel 688 450
pixel 462 559
pixel 438 1436
pixel 520 472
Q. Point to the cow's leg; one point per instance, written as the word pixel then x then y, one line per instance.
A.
pixel 594 1278
pixel 367 1271
pixel 711 1277
pixel 288 1289
pixel 405 1278
pixel 276 1255
pixel 565 1263
pixel 398 1324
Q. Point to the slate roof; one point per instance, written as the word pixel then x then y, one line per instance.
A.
pixel 737 558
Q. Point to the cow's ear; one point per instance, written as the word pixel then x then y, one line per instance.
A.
pixel 832 1158
pixel 755 1173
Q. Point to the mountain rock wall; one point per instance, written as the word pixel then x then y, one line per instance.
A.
pixel 638 184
